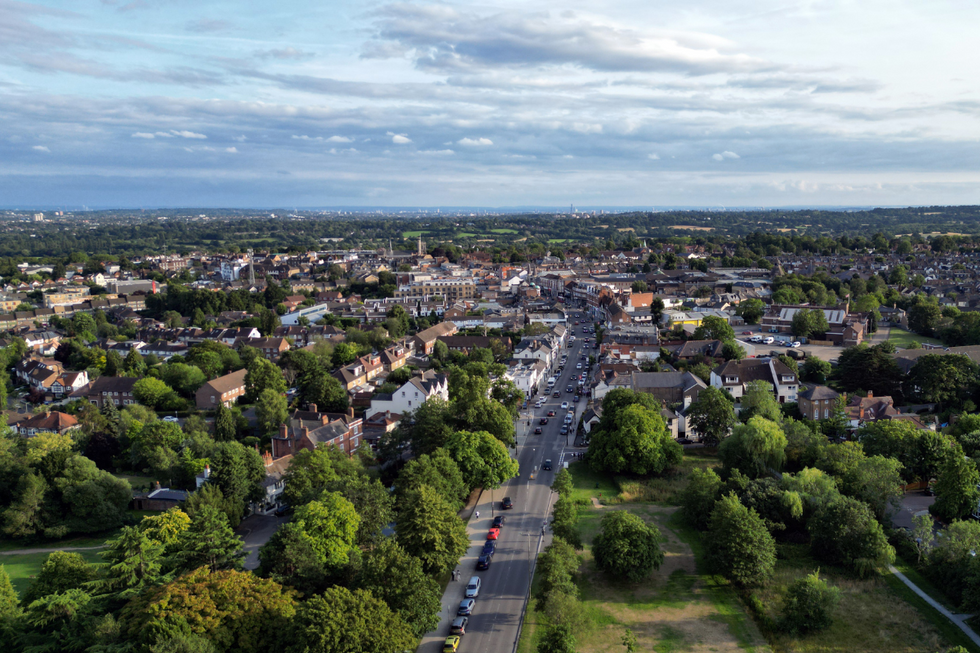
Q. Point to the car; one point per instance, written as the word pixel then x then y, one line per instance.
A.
pixel 483 562
pixel 556 394
pixel 551 413
pixel 498 521
pixel 564 406
pixel 546 466
pixel 569 389
pixel 576 397
pixel 473 587
pixel 755 339
pixel 768 340
pixel 493 534
pixel 458 626
pixel 576 322
pixel 506 503
pixel 537 430
pixel 543 421
pixel 746 333
pixel 172 419
pixel 578 366
pixel 489 548
pixel 283 510
pixel 452 643
pixel 795 344
pixel 465 608
pixel 564 429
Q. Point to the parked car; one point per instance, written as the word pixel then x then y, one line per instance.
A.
pixel 489 548
pixel 498 521
pixel 171 419
pixel 507 503
pixel 483 562
pixel 451 644
pixel 473 587
pixel 458 626
pixel 576 397
pixel 794 344
pixel 564 430
pixel 493 534
pixel 465 608
pixel 746 333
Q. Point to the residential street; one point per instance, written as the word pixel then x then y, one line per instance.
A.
pixel 494 625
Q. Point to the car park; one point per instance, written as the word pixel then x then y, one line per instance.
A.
pixel 465 608
pixel 546 466
pixel 458 626
pixel 451 644
pixel 506 503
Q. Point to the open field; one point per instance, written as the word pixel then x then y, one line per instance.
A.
pixel 903 338
pixel 503 231
pixel 691 227
pixel 22 567
pixel 413 234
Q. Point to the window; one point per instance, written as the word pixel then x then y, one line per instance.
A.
pixel 826 413
pixel 816 414
pixel 212 399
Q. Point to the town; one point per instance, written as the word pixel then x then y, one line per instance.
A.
pixel 474 449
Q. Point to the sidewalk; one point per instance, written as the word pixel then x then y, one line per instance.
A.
pixel 958 619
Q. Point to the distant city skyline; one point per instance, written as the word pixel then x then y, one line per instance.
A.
pixel 702 104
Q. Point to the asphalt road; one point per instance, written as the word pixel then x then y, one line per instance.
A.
pixel 494 624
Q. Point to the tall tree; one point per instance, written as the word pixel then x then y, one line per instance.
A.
pixel 271 411
pixel 482 459
pixel 712 415
pixel 397 578
pixel 634 440
pixel 739 546
pixel 754 448
pixel 437 470
pixel 956 489
pixel 626 547
pixel 345 621
pixel 263 375
pixel 208 541
pixel 714 328
pixel 845 532
pixel 331 524
pixel 432 532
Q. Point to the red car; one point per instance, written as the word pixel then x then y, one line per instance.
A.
pixel 493 534
pixel 746 333
pixel 551 413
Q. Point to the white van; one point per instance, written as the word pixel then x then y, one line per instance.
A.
pixel 769 340
pixel 473 587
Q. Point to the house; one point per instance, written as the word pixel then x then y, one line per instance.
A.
pixel 734 376
pixel 47 422
pixel 270 348
pixel 425 340
pixel 327 431
pixel 697 349
pixel 817 402
pixel 676 391
pixel 161 498
pixel 274 483
pixel 117 389
pixel 224 389
pixel 415 392
pixel 67 383
pixel 394 357
pixel 359 372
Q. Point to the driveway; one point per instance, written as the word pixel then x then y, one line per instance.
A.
pixel 912 504
pixel 256 530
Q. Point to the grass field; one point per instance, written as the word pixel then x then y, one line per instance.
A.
pixel 465 234
pixel 21 567
pixel 413 234
pixel 903 338
pixel 503 231
pixel 559 240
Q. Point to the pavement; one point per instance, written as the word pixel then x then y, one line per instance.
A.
pixel 256 530
pixel 494 626
pixel 959 620
pixel 913 503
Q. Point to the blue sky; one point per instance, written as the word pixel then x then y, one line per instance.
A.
pixel 129 103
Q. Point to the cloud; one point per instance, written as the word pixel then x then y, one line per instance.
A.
pixel 208 26
pixel 304 137
pixel 399 139
pixel 143 135
pixel 339 139
pixel 187 134
pixel 41 148
pixel 285 54
pixel 171 134
pixel 437 152
pixel 725 155
pixel 475 142
pixel 653 157
pixel 231 150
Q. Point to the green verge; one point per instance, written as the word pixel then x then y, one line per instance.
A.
pixel 23 566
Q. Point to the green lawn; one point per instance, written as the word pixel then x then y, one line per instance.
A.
pixel 903 338
pixel 503 231
pixel 22 567
pixel 413 234
pixel 559 240
pixel 465 234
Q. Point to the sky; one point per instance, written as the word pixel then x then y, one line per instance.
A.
pixel 247 103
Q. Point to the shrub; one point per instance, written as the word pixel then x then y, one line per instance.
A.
pixel 809 604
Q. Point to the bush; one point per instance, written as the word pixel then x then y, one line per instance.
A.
pixel 699 497
pixel 627 547
pixel 846 533
pixel 738 544
pixel 809 604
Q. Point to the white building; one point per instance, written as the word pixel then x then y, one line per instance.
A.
pixel 415 392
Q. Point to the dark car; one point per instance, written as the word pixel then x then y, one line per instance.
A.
pixel 537 430
pixel 507 504
pixel 483 562
pixel 564 429
pixel 569 389
pixel 465 608
pixel 557 394
pixel 547 465
pixel 489 548
pixel 458 626
pixel 498 521
pixel 283 510
pixel 576 397
pixel 544 420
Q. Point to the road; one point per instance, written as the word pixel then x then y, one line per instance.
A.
pixel 494 625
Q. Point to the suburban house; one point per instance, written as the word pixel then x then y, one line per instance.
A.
pixel 270 348
pixel 359 372
pixel 676 391
pixel 224 389
pixel 415 392
pixel 117 389
pixel 274 483
pixel 68 383
pixel 734 376
pixel 47 422
pixel 308 429
pixel 394 357
pixel 861 410
pixel 817 402
pixel 425 340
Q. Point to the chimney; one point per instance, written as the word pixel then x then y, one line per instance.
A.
pixel 350 412
pixel 207 473
pixel 312 408
pixel 304 432
pixel 267 458
pixel 870 394
pixel 283 431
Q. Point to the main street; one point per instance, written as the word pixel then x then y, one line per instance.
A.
pixel 494 625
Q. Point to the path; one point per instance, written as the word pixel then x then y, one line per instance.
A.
pixel 958 619
pixel 17 552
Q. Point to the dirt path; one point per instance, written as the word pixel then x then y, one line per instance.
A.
pixel 66 548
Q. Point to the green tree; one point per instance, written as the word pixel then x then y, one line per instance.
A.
pixel 760 401
pixel 482 459
pixel 563 484
pixel 754 448
pixel 432 532
pixel 557 566
pixel 134 365
pixel 626 547
pixel 224 424
pixel 809 322
pixel 209 542
pixel 558 638
pixel 712 415
pixel 751 310
pixel 331 523
pixel 956 489
pixel 635 440
pixel 699 497
pixel 815 370
pixel 947 379
pixel 877 481
pixel 289 558
pixel 133 561
pixel 732 351
pixel 263 375
pixel 803 444
pixel 846 533
pixel 271 411
pixel 924 317
pixel 325 391
pixel 25 516
pixel 714 328
pixel 343 354
pixel 397 578
pixel 345 621
pixel 154 393
pixel 238 471
pixel 739 546
pixel 113 363
pixel 9 603
pixel 437 470
pixel 61 571
pixel 809 605
pixel 564 522
pixel 870 369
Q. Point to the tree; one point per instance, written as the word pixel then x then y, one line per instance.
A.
pixel 271 411
pixel 564 522
pixel 751 310
pixel 626 547
pixel 25 516
pixel 343 354
pixel 732 351
pixel 803 444
pixel 134 365
pixel 154 393
pixel 946 379
pixel 432 532
pixel 699 497
pixel 224 424
pixel 714 328
pixel 760 401
pixel 235 611
pixel 809 322
pixel 133 562
pixel 956 489
pixel 312 472
pixel 557 638
pixel 325 391
pixel 373 503
pixel 870 369
pixel 9 603
pixel 924 317
pixel 61 571
pixel 754 448
pixel 113 363
pixel 331 524
pixel 482 459
pixel 556 568
pixel 563 484
pixel 398 579
pixel 877 481
pixel 183 378
pixel 846 533
pixel 712 415
pixel 808 605
pixel 238 471
pixel 437 470
pixel 289 558
pixel 426 428
pixel 815 370
pixel 739 546
pixel 345 621
pixel 635 440
pixel 208 541
pixel 263 375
